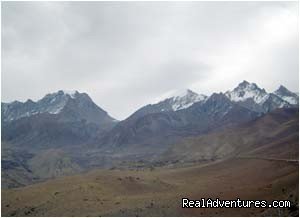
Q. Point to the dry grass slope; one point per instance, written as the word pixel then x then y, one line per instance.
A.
pixel 264 166
pixel 157 192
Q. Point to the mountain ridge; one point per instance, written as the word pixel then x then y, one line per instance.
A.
pixel 245 94
pixel 53 103
pixel 248 95
pixel 57 120
pixel 67 132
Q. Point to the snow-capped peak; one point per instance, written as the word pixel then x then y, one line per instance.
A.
pixel 287 95
pixel 246 90
pixel 182 93
pixel 184 99
pixel 71 93
pixel 51 103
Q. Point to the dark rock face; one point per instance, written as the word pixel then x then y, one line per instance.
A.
pixel 273 102
pixel 158 126
pixel 287 95
pixel 175 103
pixel 59 119
pixel 158 130
pixel 273 135
pixel 249 95
pixel 71 107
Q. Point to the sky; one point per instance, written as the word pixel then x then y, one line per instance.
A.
pixel 129 54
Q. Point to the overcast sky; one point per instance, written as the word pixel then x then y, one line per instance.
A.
pixel 128 54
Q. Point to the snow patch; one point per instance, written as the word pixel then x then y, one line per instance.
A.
pixel 290 99
pixel 52 103
pixel 185 99
pixel 71 93
pixel 248 91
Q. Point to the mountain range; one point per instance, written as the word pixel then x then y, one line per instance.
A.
pixel 58 119
pixel 191 114
pixel 66 132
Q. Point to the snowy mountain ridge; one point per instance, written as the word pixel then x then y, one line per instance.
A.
pixel 247 90
pixel 287 95
pixel 253 97
pixel 246 94
pixel 52 103
pixel 73 105
pixel 185 99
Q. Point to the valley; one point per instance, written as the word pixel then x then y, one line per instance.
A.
pixel 131 108
pixel 158 192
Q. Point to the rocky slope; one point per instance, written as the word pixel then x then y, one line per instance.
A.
pixel 66 132
pixel 249 95
pixel 58 119
pixel 274 135
pixel 153 127
pixel 287 95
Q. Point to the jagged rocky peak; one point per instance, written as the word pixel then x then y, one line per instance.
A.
pixel 184 99
pixel 218 96
pixel 218 99
pixel 71 93
pixel 29 101
pixel 54 103
pixel 244 84
pixel 282 90
pixel 174 101
pixel 251 96
pixel 184 93
pixel 246 90
pixel 62 94
pixel 287 95
pixel 51 103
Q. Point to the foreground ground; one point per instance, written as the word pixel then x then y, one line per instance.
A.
pixel 159 192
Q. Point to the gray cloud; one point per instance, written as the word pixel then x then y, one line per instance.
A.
pixel 126 54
